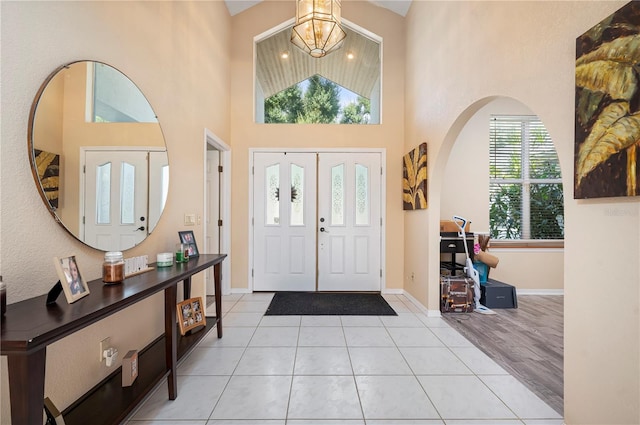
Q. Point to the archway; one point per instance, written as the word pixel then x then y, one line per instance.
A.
pixel 461 172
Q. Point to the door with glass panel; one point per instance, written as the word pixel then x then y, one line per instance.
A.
pixel 115 199
pixel 349 222
pixel 284 204
pixel 325 241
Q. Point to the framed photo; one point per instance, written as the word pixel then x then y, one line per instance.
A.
pixel 73 285
pixel 190 314
pixel 188 238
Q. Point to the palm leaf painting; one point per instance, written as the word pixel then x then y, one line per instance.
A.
pixel 608 107
pixel 414 179
pixel 48 165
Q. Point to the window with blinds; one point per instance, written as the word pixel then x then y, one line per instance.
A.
pixel 525 185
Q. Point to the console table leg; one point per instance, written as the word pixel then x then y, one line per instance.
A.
pixel 186 288
pixel 218 288
pixel 171 339
pixel 26 387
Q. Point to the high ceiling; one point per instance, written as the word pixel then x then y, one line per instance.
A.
pixel 360 74
pixel 401 7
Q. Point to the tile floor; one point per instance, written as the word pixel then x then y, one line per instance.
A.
pixel 408 369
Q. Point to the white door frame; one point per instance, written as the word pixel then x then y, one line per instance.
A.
pixel 225 203
pixel 383 197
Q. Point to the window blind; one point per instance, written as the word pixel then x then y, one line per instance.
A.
pixel 526 198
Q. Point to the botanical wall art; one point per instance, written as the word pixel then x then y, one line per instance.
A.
pixel 49 174
pixel 607 137
pixel 414 179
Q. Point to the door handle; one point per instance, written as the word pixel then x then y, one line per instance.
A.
pixel 139 228
pixel 322 229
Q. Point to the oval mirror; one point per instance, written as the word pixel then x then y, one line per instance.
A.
pixel 98 155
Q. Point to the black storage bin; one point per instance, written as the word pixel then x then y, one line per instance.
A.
pixel 497 294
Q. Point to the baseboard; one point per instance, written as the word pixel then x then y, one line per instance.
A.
pixel 387 291
pixel 539 291
pixel 241 291
pixel 422 308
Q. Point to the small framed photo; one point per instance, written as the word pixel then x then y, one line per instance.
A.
pixel 129 368
pixel 73 285
pixel 188 238
pixel 190 314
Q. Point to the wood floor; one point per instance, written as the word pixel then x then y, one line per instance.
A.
pixel 527 342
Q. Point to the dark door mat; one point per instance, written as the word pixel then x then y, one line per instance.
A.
pixel 328 304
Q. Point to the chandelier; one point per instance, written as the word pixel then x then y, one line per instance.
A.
pixel 317 30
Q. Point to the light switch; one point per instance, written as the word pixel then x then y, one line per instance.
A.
pixel 189 219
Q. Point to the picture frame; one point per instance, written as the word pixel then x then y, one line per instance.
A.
pixel 190 314
pixel 414 179
pixel 73 284
pixel 187 237
pixel 129 368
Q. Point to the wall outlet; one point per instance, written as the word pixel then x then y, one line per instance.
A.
pixel 104 345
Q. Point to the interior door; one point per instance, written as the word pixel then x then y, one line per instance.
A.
pixel 284 222
pixel 349 222
pixel 213 213
pixel 115 199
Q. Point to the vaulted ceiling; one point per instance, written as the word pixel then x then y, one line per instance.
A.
pixel 359 73
pixel 401 7
pixel 355 66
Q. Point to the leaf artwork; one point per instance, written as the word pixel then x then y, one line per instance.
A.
pixel 48 166
pixel 414 192
pixel 607 99
pixel 606 141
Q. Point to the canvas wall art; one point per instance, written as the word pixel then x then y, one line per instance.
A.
pixel 607 107
pixel 414 179
pixel 48 165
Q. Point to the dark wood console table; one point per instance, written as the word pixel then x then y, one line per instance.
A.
pixel 30 326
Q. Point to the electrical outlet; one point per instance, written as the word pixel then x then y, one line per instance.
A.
pixel 104 344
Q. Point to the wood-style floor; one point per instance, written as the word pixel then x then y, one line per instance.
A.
pixel 527 342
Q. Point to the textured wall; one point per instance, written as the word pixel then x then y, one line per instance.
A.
pixel 178 55
pixel 464 55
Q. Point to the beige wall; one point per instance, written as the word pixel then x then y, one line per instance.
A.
pixel 526 51
pixel 246 134
pixel 178 55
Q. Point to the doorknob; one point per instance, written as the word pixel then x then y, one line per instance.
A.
pixel 139 228
pixel 322 229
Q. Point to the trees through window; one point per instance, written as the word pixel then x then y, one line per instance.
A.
pixel 317 100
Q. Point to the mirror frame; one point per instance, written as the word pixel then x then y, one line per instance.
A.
pixel 31 147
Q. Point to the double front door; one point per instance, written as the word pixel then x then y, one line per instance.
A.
pixel 317 221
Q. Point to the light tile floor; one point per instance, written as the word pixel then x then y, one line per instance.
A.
pixel 334 370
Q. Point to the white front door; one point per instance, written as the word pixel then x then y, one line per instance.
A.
pixel 328 242
pixel 284 225
pixel 349 222
pixel 115 199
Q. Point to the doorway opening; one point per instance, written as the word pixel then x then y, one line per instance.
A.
pixel 217 207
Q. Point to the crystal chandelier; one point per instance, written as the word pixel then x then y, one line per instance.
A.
pixel 317 30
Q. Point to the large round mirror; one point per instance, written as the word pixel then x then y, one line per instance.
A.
pixel 98 155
